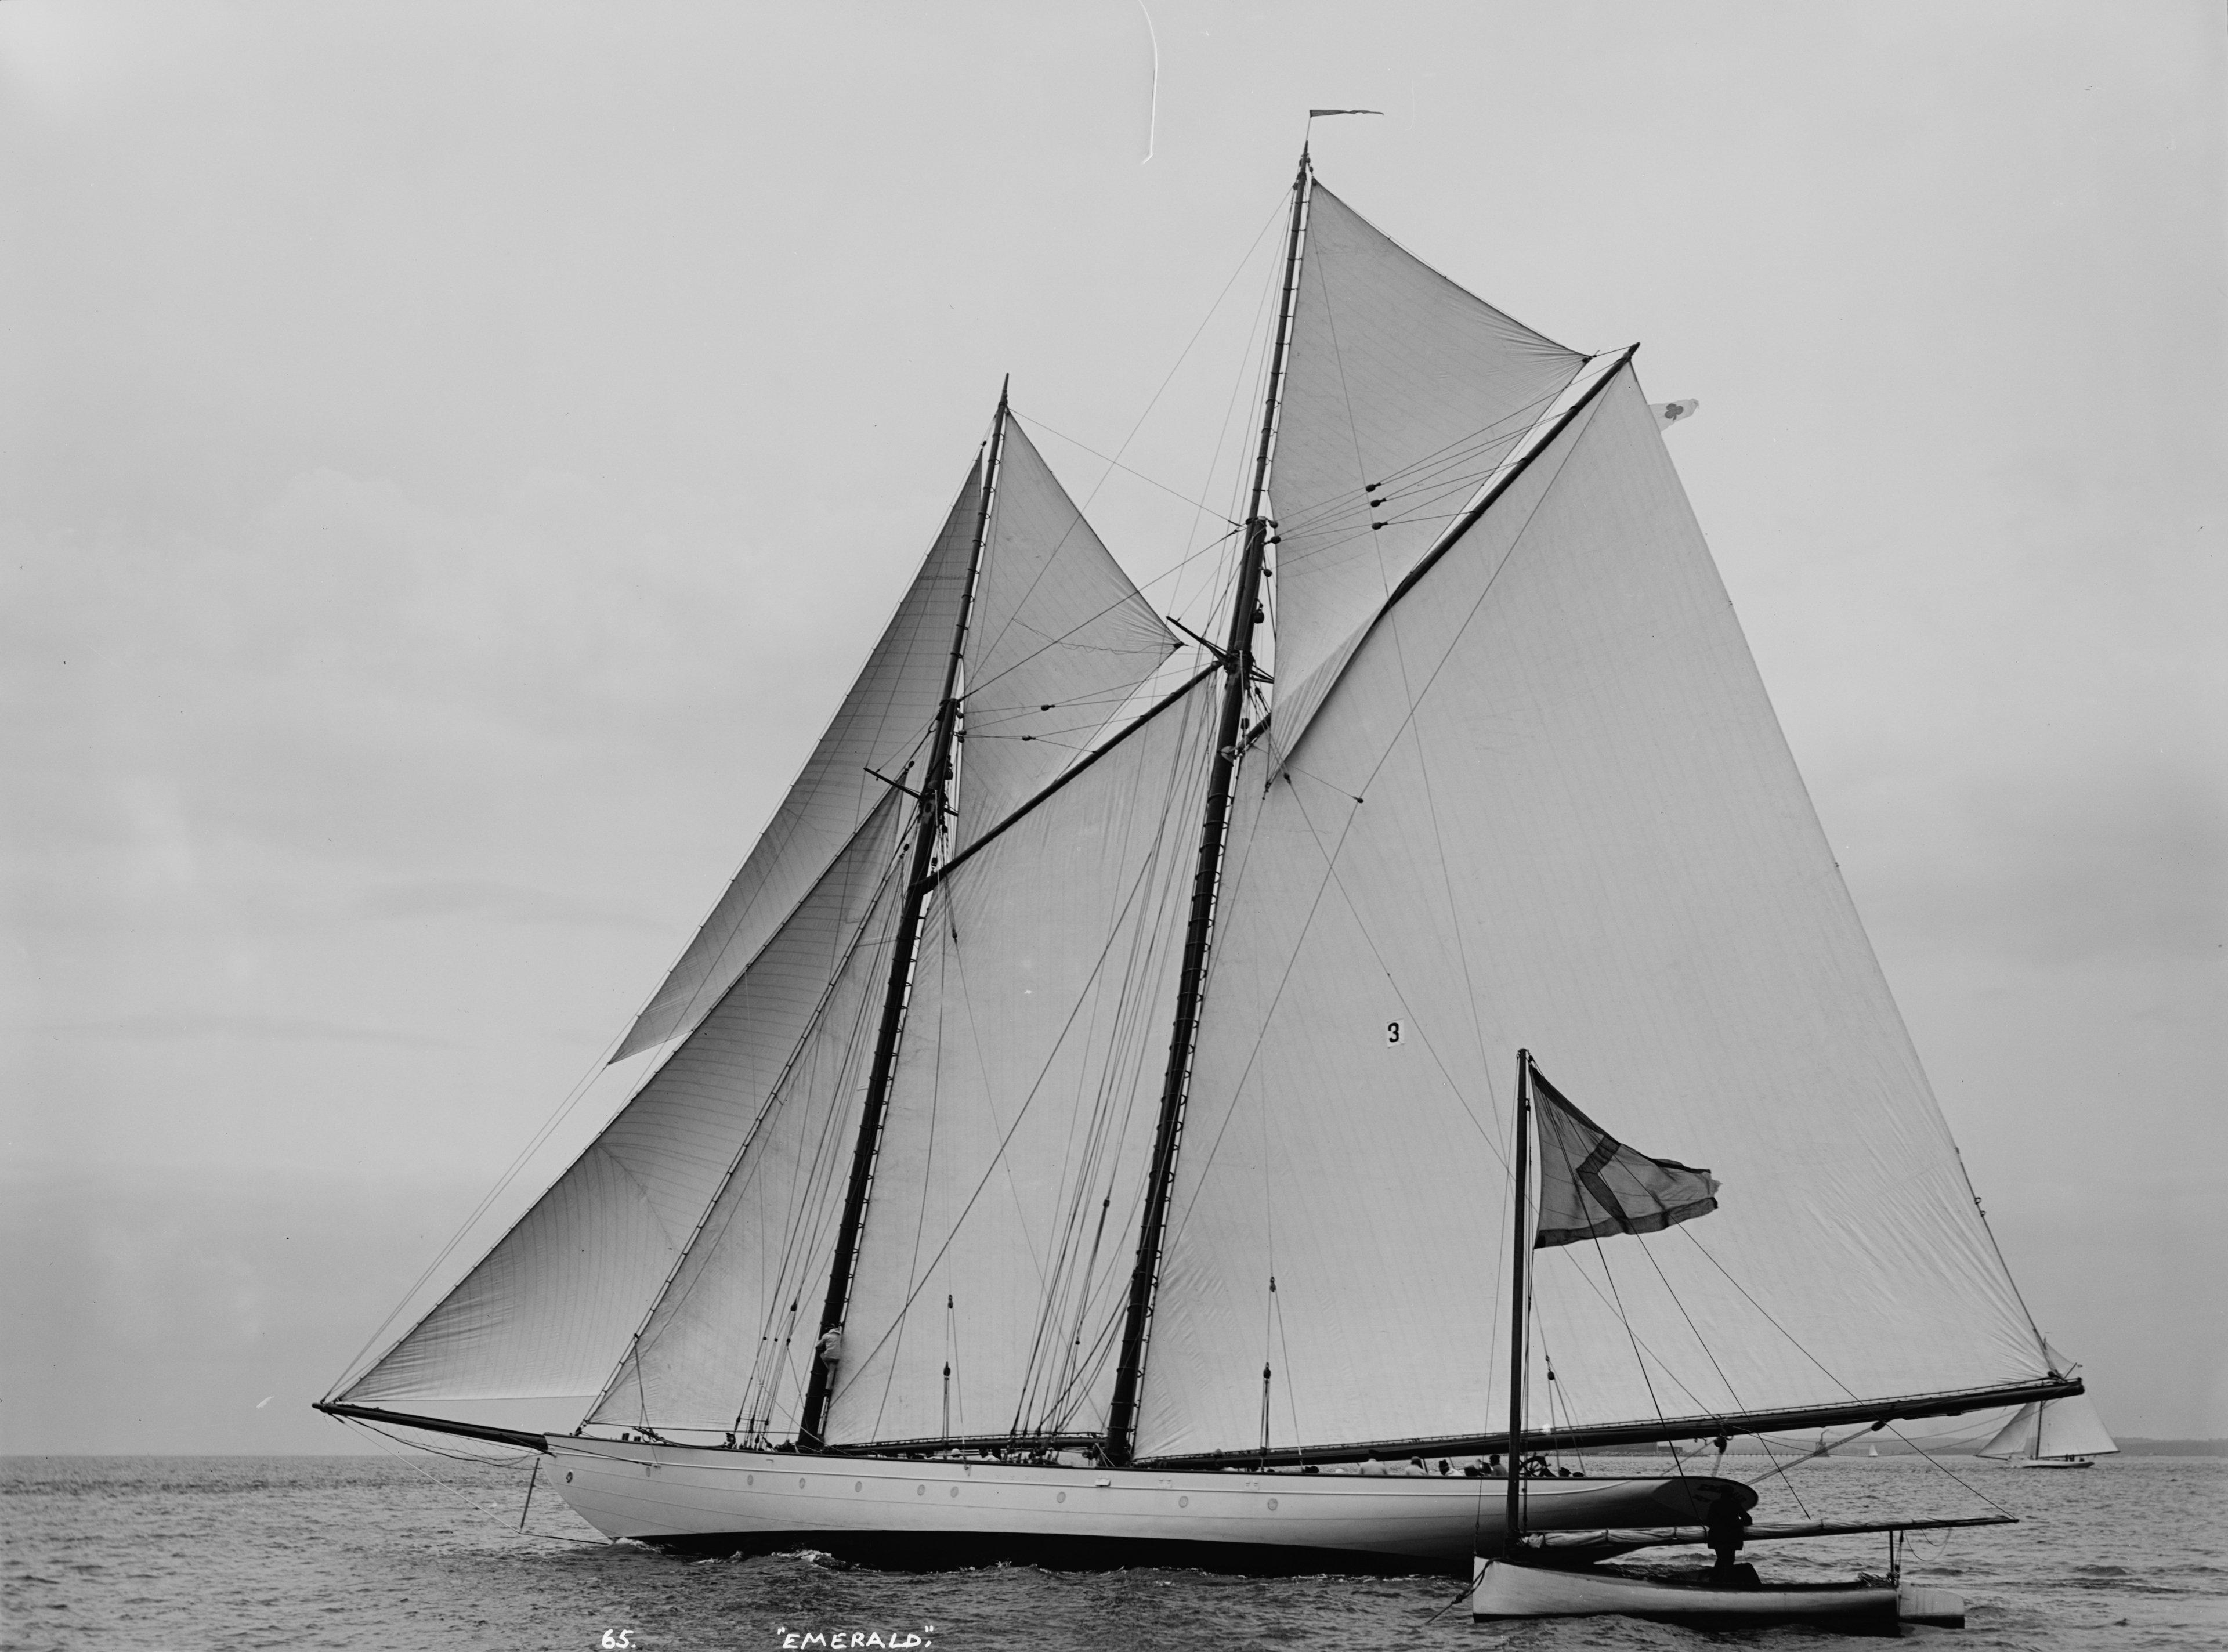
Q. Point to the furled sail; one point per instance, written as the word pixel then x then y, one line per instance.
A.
pixel 882 721
pixel 1058 641
pixel 1402 394
pixel 1548 805
pixel 999 1240
pixel 547 1311
pixel 727 1344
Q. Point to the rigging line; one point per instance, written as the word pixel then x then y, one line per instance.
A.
pixel 1273 283
pixel 1430 470
pixel 946 950
pixel 1031 419
pixel 1422 1029
pixel 1516 542
pixel 1151 949
pixel 1154 873
pixel 777 1092
pixel 1501 429
pixel 999 1155
pixel 350 1375
pixel 411 1451
pixel 1571 1171
pixel 540 1137
pixel 982 840
pixel 1945 1469
pixel 1095 1144
pixel 803 1230
pixel 1768 1318
pixel 1154 400
pixel 689 1017
pixel 1708 1352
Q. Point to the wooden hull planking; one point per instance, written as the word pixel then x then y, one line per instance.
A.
pixel 904 1513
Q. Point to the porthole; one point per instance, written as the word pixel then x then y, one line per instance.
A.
pixel 858 1485
pixel 955 1491
pixel 1272 1505
pixel 800 1482
pixel 920 1491
pixel 750 1480
pixel 1062 1498
pixel 568 1477
pixel 1183 1503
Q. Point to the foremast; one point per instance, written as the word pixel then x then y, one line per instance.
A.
pixel 929 803
pixel 1238 677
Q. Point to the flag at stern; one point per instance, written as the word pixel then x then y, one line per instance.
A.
pixel 1592 1185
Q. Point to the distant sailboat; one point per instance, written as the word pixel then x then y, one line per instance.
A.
pixel 1081 1128
pixel 2063 1433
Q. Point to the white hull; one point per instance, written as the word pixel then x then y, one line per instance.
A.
pixel 1504 1591
pixel 2052 1463
pixel 926 1512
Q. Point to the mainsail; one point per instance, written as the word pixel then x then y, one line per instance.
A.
pixel 1548 804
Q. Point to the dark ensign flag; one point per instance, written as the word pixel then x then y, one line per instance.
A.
pixel 1592 1185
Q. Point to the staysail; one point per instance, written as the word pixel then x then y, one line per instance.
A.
pixel 548 1308
pixel 729 1342
pixel 881 722
pixel 1548 804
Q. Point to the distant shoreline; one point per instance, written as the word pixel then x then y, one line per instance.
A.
pixel 2130 1446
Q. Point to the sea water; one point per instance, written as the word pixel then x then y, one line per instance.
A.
pixel 424 1553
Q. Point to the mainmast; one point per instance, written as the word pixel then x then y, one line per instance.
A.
pixel 929 810
pixel 1237 667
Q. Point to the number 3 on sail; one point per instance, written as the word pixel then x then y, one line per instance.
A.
pixel 1006 1115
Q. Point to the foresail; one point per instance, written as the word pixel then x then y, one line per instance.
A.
pixel 2016 1438
pixel 882 719
pixel 547 1312
pixel 1058 641
pixel 1402 395
pixel 1001 1229
pixel 1549 806
pixel 727 1344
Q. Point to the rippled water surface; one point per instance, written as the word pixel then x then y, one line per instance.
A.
pixel 419 1553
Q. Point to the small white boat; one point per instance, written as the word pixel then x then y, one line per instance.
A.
pixel 1504 1589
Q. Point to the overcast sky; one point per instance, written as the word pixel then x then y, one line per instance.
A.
pixel 456 455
